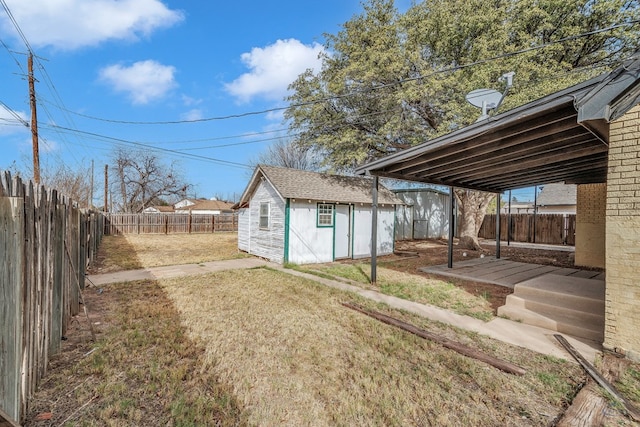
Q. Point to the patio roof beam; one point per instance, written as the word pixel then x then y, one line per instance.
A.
pixel 533 147
pixel 563 157
pixel 498 167
pixel 591 166
pixel 547 124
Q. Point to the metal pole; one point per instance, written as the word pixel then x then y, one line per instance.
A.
pixel 498 195
pixel 535 209
pixel 374 230
pixel 509 221
pixel 452 221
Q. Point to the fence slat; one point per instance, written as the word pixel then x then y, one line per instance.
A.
pixel 551 229
pixel 163 223
pixel 38 290
pixel 11 282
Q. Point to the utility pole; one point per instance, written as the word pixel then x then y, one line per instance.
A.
pixel 106 186
pixel 34 122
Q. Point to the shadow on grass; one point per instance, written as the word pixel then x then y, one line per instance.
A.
pixel 144 369
pixel 114 254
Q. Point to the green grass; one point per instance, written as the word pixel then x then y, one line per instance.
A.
pixel 410 287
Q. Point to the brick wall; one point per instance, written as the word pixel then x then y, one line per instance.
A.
pixel 590 225
pixel 622 317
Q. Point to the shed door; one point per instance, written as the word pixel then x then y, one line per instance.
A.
pixel 342 241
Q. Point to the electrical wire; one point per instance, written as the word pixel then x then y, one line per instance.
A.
pixel 377 87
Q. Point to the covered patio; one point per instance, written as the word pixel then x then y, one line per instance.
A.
pixel 563 137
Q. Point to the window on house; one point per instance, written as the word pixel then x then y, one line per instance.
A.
pixel 325 215
pixel 264 215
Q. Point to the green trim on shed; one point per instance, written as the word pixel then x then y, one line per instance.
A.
pixel 286 230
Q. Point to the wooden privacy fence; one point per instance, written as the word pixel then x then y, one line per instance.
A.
pixel 163 223
pixel 551 229
pixel 46 242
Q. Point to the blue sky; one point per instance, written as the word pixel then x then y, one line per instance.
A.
pixel 104 62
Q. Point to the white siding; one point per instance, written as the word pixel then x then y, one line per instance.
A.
pixel 362 231
pixel 244 230
pixel 308 243
pixel 426 215
pixel 267 243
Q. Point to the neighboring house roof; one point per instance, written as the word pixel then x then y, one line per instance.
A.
pixel 184 202
pixel 557 194
pixel 162 209
pixel 517 205
pixel 207 205
pixel 300 184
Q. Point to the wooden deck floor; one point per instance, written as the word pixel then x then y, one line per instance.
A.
pixel 504 272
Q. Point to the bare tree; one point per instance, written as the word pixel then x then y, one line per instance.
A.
pixel 142 179
pixel 72 182
pixel 289 155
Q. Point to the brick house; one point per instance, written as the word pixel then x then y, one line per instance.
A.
pixel 587 134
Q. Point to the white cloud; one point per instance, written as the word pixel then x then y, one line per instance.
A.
pixel 191 115
pixel 11 124
pixel 189 101
pixel 71 24
pixel 48 146
pixel 144 81
pixel 273 68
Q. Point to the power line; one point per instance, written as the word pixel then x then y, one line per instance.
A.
pixel 14 114
pixel 382 86
pixel 151 147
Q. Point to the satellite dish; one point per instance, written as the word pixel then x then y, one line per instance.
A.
pixel 484 97
pixel 487 99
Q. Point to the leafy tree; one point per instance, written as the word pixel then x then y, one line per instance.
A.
pixel 142 179
pixel 390 80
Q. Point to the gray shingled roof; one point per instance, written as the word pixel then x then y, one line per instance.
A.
pixel 299 184
pixel 557 194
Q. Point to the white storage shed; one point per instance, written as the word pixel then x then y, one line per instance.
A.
pixel 302 217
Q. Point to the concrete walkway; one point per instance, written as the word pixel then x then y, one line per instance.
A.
pixel 530 337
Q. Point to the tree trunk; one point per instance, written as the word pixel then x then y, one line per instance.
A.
pixel 472 207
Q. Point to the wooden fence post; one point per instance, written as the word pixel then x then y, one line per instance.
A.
pixel 11 305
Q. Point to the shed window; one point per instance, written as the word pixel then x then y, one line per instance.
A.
pixel 325 215
pixel 264 215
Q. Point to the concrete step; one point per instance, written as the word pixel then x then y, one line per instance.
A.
pixel 559 322
pixel 578 293
pixel 566 304
pixel 549 304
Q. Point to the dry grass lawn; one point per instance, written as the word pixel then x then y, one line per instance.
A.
pixel 262 347
pixel 132 251
pixel 295 356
